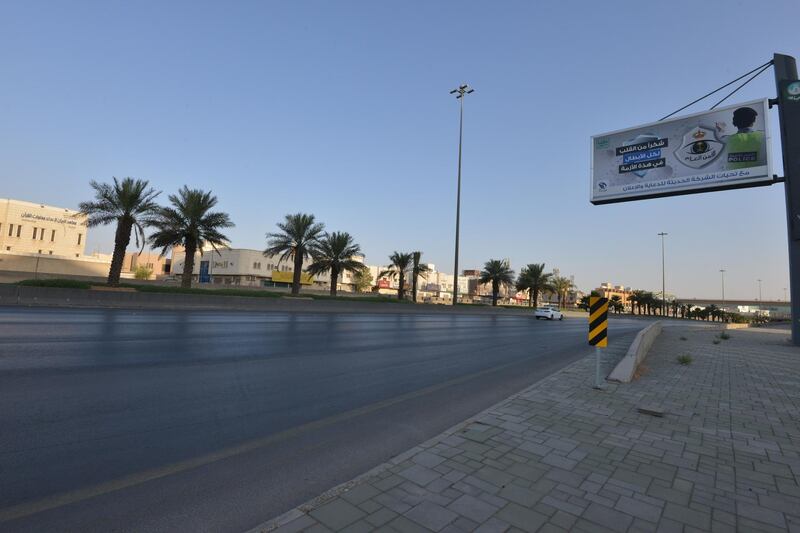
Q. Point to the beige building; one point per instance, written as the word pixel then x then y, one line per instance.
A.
pixel 250 268
pixel 607 290
pixel 149 260
pixel 28 228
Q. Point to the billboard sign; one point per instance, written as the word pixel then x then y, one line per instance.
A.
pixel 725 148
pixel 288 277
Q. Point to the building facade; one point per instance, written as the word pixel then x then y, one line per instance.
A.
pixel 250 268
pixel 607 290
pixel 28 228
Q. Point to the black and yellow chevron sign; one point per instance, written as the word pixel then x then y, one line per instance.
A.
pixel 598 321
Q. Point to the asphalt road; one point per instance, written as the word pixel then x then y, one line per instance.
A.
pixel 217 421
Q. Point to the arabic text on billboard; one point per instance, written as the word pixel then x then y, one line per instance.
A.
pixel 726 147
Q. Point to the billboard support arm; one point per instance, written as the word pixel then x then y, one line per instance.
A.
pixel 789 113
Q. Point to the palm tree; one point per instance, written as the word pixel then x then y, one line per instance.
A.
pixel 129 203
pixel 534 279
pixel 498 273
pixel 635 300
pixel 334 253
pixel 399 265
pixel 190 223
pixel 562 286
pixel 616 303
pixel 417 270
pixel 299 234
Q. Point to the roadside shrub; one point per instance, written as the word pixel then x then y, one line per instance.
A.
pixel 724 336
pixel 142 272
pixel 685 359
pixel 716 341
pixel 683 338
pixel 58 283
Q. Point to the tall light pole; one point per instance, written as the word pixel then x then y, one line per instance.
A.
pixel 663 278
pixel 461 91
pixel 759 289
pixel 722 271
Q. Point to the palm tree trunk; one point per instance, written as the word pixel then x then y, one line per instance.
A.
pixel 536 297
pixel 298 271
pixel 188 265
pixel 334 281
pixel 495 290
pixel 121 241
pixel 400 289
pixel 414 287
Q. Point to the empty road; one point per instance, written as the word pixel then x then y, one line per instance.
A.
pixel 217 421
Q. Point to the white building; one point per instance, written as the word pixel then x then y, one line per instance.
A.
pixel 250 268
pixel 41 240
pixel 29 228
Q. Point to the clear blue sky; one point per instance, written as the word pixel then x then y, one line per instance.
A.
pixel 342 109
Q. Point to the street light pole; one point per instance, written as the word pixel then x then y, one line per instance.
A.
pixel 759 289
pixel 663 278
pixel 722 271
pixel 461 91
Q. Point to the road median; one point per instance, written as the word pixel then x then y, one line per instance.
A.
pixel 15 294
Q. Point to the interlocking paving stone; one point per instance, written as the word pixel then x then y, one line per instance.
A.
pixel 561 456
pixel 473 508
pixel 337 514
pixel 431 515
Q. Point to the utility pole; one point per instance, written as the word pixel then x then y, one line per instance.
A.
pixel 461 91
pixel 759 289
pixel 663 278
pixel 722 271
pixel 787 85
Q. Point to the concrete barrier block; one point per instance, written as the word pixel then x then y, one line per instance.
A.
pixel 626 368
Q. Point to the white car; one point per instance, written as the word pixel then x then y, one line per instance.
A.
pixel 548 313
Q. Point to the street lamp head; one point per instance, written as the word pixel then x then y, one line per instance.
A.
pixel 462 90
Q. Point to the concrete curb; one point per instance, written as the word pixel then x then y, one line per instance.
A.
pixel 626 368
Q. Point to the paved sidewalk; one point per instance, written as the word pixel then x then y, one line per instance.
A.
pixel 561 456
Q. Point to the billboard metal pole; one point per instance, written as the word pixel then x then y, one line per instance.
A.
pixel 789 113
pixel 663 278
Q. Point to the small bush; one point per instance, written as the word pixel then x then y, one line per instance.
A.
pixel 716 341
pixel 142 272
pixel 724 336
pixel 683 338
pixel 58 283
pixel 685 359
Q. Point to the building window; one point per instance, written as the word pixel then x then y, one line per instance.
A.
pixel 19 231
pixel 257 265
pixel 53 236
pixel 80 236
pixel 11 230
pixel 40 252
pixel 34 233
pixel 50 252
pixel 41 235
pixel 8 248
